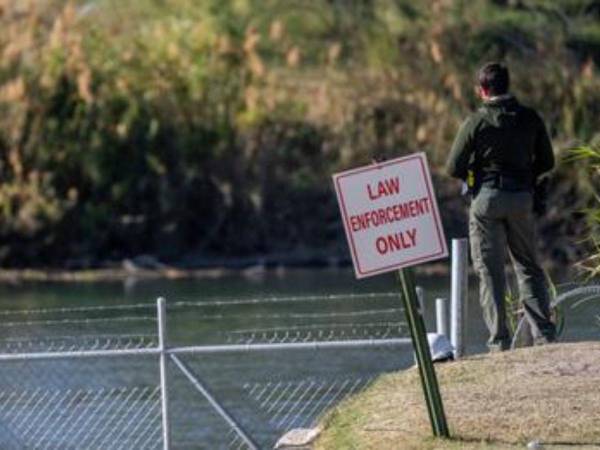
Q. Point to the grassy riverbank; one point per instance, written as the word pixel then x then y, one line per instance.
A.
pixel 499 401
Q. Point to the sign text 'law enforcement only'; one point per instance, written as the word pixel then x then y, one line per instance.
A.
pixel 390 215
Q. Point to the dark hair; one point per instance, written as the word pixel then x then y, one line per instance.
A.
pixel 494 78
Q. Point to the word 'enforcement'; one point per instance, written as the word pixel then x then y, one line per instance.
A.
pixel 390 214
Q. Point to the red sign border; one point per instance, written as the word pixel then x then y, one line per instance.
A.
pixel 422 157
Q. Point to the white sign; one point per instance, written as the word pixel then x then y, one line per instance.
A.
pixel 390 215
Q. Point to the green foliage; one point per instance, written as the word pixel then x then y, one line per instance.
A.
pixel 516 320
pixel 514 311
pixel 168 126
pixel 590 154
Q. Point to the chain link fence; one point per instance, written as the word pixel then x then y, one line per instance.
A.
pixel 238 373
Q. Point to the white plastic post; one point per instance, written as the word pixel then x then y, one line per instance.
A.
pixel 421 299
pixel 162 345
pixel 459 292
pixel 441 316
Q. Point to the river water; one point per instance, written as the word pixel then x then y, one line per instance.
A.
pixel 267 393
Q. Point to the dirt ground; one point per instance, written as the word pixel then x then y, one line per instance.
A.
pixel 549 394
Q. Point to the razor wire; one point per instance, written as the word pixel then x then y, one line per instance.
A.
pixel 77 343
pixel 368 296
pixel 72 329
pixel 42 328
pixel 578 294
pixel 294 319
pixel 322 332
pixel 291 315
pixel 222 301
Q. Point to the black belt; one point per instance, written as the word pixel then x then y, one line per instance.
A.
pixel 506 183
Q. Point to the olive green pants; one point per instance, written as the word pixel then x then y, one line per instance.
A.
pixel 501 220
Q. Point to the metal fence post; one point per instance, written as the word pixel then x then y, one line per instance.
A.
pixel 459 292
pixel 162 345
pixel 441 316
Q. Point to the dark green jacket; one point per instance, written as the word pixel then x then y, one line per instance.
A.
pixel 502 137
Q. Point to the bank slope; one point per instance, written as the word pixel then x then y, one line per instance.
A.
pixel 549 394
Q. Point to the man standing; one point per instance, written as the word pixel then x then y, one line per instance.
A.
pixel 500 151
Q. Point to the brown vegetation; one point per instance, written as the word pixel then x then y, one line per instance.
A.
pixel 184 128
pixel 506 400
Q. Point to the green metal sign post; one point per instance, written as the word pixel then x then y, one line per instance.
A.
pixel 392 222
pixel 431 390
